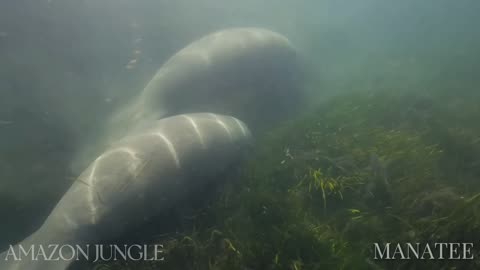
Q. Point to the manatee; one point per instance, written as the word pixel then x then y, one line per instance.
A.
pixel 251 73
pixel 137 177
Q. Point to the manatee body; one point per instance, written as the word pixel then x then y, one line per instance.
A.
pixel 251 73
pixel 136 178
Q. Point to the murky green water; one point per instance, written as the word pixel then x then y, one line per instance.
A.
pixel 377 140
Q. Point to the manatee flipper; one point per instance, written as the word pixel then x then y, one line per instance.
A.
pixel 140 175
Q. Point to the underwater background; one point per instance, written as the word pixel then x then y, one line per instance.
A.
pixel 387 148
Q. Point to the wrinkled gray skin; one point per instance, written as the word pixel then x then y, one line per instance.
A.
pixel 136 178
pixel 250 73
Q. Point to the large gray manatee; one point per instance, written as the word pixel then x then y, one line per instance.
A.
pixel 251 73
pixel 137 177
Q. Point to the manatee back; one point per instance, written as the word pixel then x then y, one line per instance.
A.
pixel 150 170
pixel 251 73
